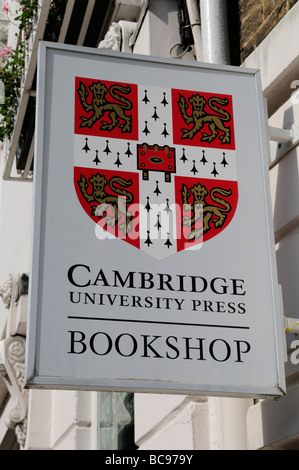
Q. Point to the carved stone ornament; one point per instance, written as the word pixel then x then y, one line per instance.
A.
pixel 6 291
pixel 118 36
pixel 12 371
pixel 112 38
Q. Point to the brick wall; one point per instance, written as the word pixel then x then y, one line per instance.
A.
pixel 250 21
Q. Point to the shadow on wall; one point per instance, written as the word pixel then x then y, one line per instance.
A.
pixel 286 224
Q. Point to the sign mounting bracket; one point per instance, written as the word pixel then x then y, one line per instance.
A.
pixel 286 139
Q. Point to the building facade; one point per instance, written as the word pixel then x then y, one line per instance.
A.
pixel 256 34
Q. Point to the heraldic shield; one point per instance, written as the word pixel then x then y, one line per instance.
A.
pixel 154 167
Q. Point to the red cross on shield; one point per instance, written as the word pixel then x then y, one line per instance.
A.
pixel 154 167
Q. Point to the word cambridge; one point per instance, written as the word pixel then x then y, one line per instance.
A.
pixel 126 344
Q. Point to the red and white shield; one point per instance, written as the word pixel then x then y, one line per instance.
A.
pixel 154 167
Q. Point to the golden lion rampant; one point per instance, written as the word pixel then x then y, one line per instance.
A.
pixel 99 105
pixel 105 201
pixel 199 117
pixel 202 210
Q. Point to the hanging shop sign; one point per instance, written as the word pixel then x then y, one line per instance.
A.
pixel 153 265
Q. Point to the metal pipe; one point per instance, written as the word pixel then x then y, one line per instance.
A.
pixel 214 31
pixel 194 17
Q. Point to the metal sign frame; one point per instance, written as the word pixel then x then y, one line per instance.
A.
pixel 104 315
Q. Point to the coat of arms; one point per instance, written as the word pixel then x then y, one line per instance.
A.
pixel 154 167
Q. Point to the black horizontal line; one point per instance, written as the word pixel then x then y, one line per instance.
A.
pixel 71 317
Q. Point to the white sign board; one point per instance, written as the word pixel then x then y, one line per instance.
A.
pixel 153 265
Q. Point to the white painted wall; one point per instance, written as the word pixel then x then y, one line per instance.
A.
pixel 232 424
pixel 275 425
